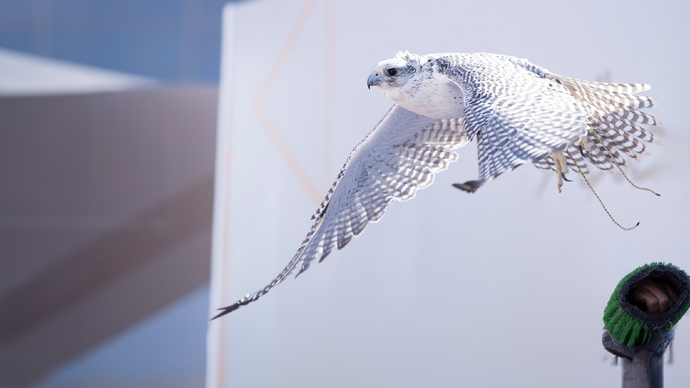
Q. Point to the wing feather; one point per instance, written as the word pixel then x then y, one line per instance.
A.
pixel 399 156
pixel 517 113
pixel 520 112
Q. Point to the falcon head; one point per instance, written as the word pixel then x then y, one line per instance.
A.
pixel 394 73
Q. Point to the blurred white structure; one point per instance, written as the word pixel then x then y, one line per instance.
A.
pixel 105 220
pixel 24 74
pixel 505 287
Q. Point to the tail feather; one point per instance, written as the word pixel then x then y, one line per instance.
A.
pixel 611 87
pixel 628 100
pixel 632 128
pixel 603 108
pixel 616 125
pixel 625 142
pixel 611 150
pixel 596 154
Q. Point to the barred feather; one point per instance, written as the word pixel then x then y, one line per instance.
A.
pixel 616 119
pixel 400 156
pixel 597 155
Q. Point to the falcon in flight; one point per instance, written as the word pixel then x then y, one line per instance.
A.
pixel 517 112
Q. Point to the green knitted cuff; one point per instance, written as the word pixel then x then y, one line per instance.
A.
pixel 631 326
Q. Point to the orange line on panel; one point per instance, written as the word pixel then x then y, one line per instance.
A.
pixel 329 95
pixel 221 357
pixel 263 92
pixel 287 154
pixel 222 335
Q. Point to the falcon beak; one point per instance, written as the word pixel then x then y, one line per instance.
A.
pixel 373 80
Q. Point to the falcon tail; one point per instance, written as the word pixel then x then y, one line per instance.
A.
pixel 615 124
pixel 615 128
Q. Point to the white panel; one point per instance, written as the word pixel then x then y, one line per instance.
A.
pixel 215 339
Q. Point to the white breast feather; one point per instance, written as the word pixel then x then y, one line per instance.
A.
pixel 435 96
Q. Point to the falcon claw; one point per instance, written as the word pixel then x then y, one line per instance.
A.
pixel 565 178
pixel 227 310
pixel 469 186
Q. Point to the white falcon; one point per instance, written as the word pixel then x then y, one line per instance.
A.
pixel 517 111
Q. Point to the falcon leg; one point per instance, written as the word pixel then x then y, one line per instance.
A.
pixel 561 168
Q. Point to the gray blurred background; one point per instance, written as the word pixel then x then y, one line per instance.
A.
pixel 109 112
pixel 107 140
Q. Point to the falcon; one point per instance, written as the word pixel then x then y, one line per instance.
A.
pixel 518 112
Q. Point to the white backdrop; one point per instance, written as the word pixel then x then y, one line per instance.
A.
pixel 505 287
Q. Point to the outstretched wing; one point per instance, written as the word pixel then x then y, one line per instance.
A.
pixel 516 112
pixel 398 157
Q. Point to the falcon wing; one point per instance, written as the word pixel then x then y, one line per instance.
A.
pixel 397 158
pixel 516 112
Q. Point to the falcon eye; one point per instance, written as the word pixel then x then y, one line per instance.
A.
pixel 391 72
